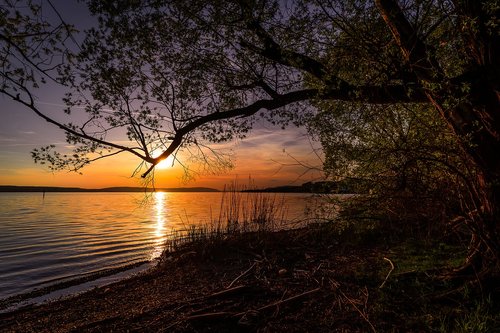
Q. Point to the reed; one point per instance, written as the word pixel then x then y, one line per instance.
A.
pixel 240 212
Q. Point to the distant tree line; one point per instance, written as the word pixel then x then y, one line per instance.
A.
pixel 345 186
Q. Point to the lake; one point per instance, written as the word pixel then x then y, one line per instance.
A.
pixel 63 237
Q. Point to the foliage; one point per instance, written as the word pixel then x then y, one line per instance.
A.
pixel 170 75
pixel 408 159
pixel 30 49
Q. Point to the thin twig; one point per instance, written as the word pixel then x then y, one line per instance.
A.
pixel 228 291
pixel 241 275
pixel 289 299
pixel 209 316
pixel 362 314
pixel 392 268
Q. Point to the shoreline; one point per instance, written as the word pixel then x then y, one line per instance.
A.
pixel 174 295
pixel 311 279
pixel 122 189
pixel 73 286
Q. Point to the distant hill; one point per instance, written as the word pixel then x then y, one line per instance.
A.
pixel 11 188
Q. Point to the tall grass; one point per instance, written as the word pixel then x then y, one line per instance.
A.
pixel 250 211
pixel 240 212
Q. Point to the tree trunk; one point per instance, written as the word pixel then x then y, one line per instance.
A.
pixel 477 125
pixel 475 116
pixel 484 249
pixel 481 133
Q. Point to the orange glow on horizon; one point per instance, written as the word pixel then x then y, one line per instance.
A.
pixel 117 172
pixel 263 161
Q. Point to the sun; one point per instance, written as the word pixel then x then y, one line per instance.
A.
pixel 166 163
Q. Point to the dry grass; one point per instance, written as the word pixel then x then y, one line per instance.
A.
pixel 240 212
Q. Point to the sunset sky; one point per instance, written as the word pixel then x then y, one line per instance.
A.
pixel 267 155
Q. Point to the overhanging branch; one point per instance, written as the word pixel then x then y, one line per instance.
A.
pixel 365 94
pixel 32 107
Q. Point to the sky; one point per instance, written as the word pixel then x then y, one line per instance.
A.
pixel 269 156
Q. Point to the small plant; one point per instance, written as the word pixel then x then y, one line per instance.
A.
pixel 478 318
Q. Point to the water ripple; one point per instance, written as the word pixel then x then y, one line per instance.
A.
pixel 64 236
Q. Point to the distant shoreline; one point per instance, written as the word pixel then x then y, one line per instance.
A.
pixel 324 187
pixel 41 189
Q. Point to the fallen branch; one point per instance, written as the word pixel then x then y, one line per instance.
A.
pixel 227 292
pixel 387 276
pixel 286 300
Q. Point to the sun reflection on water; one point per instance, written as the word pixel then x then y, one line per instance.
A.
pixel 160 224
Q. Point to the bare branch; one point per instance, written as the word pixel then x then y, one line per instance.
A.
pixel 31 105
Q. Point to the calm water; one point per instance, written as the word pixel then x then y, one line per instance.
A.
pixel 64 236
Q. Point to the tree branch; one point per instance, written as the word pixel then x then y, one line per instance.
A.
pixel 367 94
pixel 272 50
pixel 415 51
pixel 336 88
pixel 246 111
pixel 32 107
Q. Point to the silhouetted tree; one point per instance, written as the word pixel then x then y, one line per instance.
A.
pixel 177 74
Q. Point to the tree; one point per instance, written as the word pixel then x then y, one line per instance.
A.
pixel 175 74
pixel 404 156
pixel 31 48
pixel 468 101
